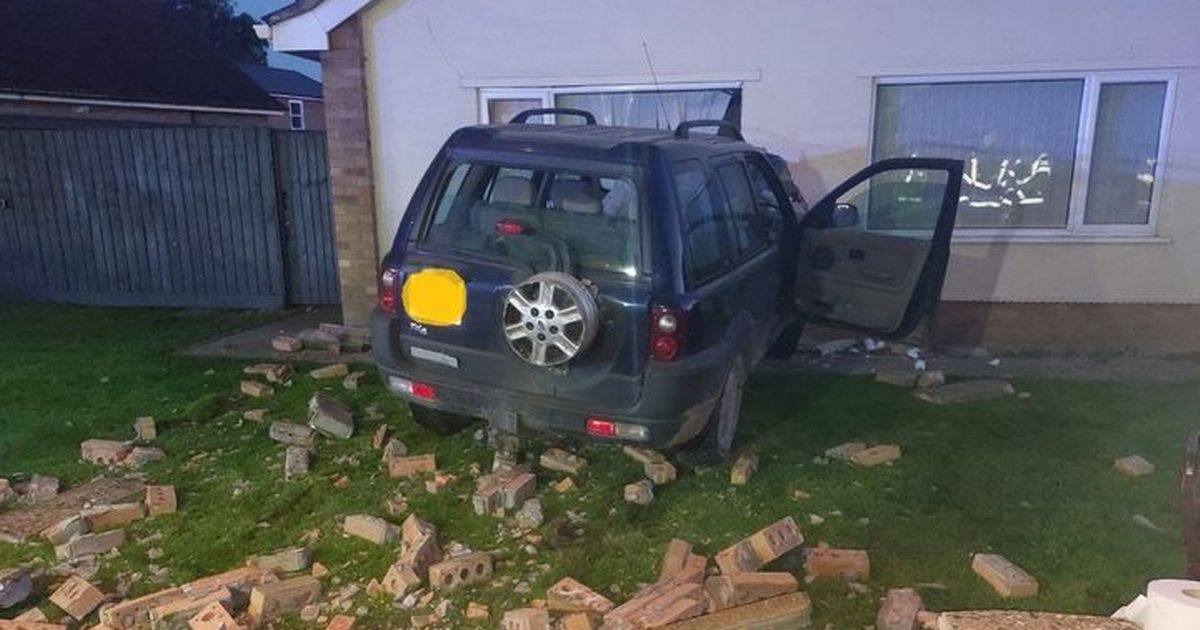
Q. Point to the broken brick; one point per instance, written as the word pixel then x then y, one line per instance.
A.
pixel 145 429
pixel 141 455
pixel 285 561
pixel 576 621
pixel 77 597
pixel 286 343
pixel 341 622
pixel 743 469
pixel 214 616
pixel 450 574
pixel 559 460
pixel 90 544
pixel 569 595
pixel 336 370
pixel 256 389
pixel 899 610
pixel 518 487
pixel 931 378
pixel 316 339
pixel 1133 466
pixel 269 601
pixel 850 565
pixel 899 378
pixel 739 589
pixel 394 448
pixel 32 616
pixel 400 580
pixel 353 380
pixel 661 604
pixel 161 500
pixel 640 492
pixel 330 416
pixel 104 517
pixel 440 480
pixel 760 548
pixel 965 391
pixel 1008 579
pixel 255 415
pixel 526 619
pixel 176 612
pixel 477 612
pixel 289 433
pixel 793 610
pixel 876 455
pixel 104 452
pixel 564 485
pixel 674 559
pixel 64 530
pixel 275 372
pixel 370 528
pixel 412 465
pixel 660 471
pixel 845 451
pixel 381 437
pixel 419 548
pixel 295 462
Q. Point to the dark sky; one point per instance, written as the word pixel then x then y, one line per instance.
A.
pixel 258 8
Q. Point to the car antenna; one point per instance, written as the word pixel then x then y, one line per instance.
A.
pixel 662 108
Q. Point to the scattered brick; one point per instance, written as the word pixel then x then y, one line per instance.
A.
pixel 255 415
pixel 400 580
pixel 526 619
pixel 642 455
pixel 16 585
pixel 419 548
pixel 319 570
pixel 41 489
pixel 33 615
pixel 291 560
pixel 316 339
pixel 411 466
pixel 640 492
pixel 450 574
pixel 214 616
pixel 564 485
pixel 743 469
pixel 577 621
pixel 269 601
pixel 141 455
pixel 660 472
pixel 658 605
pixel 295 462
pixel 90 544
pixel 899 610
pixel 1008 579
pixel 256 389
pixel 353 380
pixel 104 452
pixel 64 530
pixel 899 378
pixel 381 437
pixel 396 504
pixel 793 610
pixel 104 517
pixel 739 589
pixel 394 448
pixel 6 492
pixel 762 547
pixel 478 612
pixel 341 622
pixel 370 528
pixel 562 461
pixel 77 597
pixel 330 416
pixel 569 595
pixel 286 343
pixel 850 565
pixel 161 500
pixel 145 429
pixel 876 455
pixel 274 372
pixel 289 433
pixel 175 613
pixel 336 370
pixel 1133 466
pixel 674 559
pixel 440 480
pixel 844 452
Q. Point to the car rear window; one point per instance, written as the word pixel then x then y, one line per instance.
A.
pixel 549 219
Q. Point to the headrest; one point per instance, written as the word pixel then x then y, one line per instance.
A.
pixel 514 190
pixel 581 204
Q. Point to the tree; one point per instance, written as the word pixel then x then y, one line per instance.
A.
pixel 216 22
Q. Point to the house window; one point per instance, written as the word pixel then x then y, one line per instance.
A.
pixel 1060 156
pixel 296 113
pixel 661 107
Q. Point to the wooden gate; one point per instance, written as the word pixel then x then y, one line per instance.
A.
pixel 179 216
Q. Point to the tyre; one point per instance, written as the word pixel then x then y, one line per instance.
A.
pixel 440 422
pixel 715 444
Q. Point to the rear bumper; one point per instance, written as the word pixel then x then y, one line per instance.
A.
pixel 676 401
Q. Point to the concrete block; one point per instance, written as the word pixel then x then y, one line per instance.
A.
pixel 330 416
pixel 452 573
pixel 400 580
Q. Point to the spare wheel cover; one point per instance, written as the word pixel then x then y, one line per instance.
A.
pixel 549 319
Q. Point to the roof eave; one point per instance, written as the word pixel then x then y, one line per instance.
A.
pixel 295 28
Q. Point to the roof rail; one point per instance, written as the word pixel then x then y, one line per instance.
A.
pixel 724 128
pixel 520 118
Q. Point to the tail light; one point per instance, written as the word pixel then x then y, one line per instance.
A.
pixel 389 290
pixel 510 227
pixel 606 427
pixel 667 327
pixel 416 389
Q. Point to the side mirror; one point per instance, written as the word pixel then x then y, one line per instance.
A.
pixel 845 215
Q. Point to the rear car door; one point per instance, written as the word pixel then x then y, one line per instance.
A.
pixel 872 254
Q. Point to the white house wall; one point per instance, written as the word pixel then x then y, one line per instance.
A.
pixel 807 70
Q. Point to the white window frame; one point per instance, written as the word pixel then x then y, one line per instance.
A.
pixel 1075 229
pixel 547 93
pixel 292 116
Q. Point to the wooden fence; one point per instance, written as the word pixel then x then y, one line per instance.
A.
pixel 179 216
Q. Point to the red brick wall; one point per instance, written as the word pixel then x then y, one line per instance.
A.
pixel 353 185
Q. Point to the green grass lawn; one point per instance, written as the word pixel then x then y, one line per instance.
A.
pixel 1027 478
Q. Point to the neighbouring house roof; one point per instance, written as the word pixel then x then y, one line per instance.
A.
pixel 130 51
pixel 281 82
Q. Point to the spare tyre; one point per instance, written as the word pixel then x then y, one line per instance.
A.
pixel 550 319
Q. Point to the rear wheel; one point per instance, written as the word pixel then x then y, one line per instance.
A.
pixel 715 444
pixel 440 422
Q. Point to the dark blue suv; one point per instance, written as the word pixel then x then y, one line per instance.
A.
pixel 622 283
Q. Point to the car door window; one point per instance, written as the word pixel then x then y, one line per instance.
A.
pixel 702 219
pixel 744 223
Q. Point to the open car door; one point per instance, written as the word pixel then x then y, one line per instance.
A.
pixel 873 252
